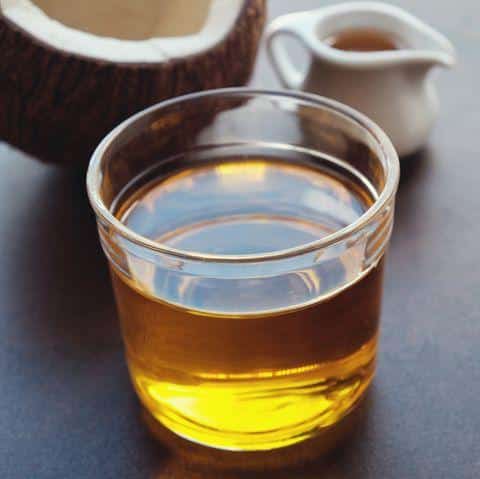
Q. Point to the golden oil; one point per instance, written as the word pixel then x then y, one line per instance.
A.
pixel 217 362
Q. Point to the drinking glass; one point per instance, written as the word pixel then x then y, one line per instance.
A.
pixel 245 232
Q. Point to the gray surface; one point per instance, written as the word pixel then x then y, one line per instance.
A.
pixel 66 406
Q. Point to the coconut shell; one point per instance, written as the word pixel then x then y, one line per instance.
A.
pixel 57 106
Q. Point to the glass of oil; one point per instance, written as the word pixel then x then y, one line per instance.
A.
pixel 245 232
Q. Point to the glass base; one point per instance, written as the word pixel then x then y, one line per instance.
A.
pixel 319 445
pixel 316 426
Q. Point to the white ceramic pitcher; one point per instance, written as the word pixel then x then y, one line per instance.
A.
pixel 392 87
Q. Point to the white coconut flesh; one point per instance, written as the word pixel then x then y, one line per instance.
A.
pixel 126 30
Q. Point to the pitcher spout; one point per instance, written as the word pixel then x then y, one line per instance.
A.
pixel 433 50
pixel 421 42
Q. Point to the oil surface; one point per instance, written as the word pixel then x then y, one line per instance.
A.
pixel 215 363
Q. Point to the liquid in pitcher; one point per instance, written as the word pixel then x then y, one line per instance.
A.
pixel 363 40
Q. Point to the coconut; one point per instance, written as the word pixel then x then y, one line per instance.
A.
pixel 71 71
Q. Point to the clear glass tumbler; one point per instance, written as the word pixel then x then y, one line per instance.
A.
pixel 245 232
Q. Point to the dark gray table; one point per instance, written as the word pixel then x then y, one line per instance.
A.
pixel 66 406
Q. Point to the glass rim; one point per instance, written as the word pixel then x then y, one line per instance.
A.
pixel 94 178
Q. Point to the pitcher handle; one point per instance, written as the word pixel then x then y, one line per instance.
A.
pixel 286 71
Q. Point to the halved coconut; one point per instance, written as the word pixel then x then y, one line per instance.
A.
pixel 71 71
